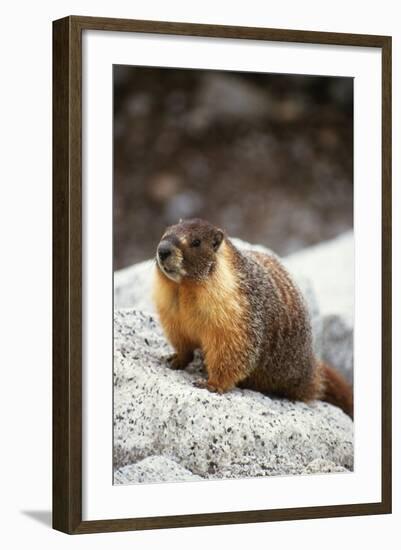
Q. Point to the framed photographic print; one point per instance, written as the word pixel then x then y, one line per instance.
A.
pixel 221 274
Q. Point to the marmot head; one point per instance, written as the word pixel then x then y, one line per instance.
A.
pixel 189 250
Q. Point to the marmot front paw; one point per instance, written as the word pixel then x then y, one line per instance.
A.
pixel 175 362
pixel 205 385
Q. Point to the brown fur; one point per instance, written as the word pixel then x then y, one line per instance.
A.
pixel 337 391
pixel 245 313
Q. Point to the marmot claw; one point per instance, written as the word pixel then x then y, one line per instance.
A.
pixel 175 363
pixel 204 385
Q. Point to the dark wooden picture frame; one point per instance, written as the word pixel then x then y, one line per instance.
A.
pixel 67 274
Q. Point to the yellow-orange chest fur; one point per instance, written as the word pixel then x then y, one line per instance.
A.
pixel 199 313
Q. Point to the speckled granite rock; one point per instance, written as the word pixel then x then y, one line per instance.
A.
pixel 320 466
pixel 158 411
pixel 133 286
pixel 325 275
pixel 153 470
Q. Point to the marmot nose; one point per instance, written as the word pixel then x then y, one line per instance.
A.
pixel 164 250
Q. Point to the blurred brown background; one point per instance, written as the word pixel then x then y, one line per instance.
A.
pixel 267 157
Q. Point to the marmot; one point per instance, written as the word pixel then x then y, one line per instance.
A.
pixel 243 310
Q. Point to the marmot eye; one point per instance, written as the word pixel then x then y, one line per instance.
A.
pixel 195 242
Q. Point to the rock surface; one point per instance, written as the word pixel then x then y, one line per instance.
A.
pixel 320 466
pixel 166 429
pixel 153 470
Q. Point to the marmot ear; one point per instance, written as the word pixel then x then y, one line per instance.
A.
pixel 217 239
